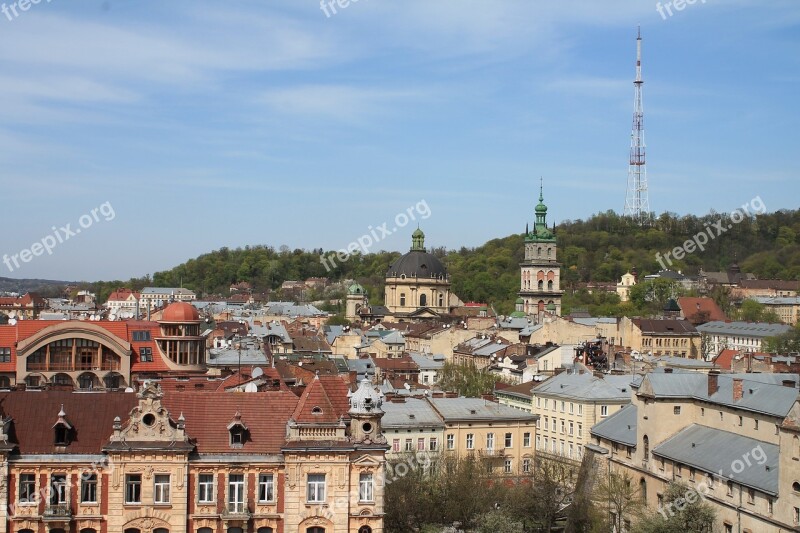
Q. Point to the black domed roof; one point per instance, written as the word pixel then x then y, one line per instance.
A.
pixel 419 264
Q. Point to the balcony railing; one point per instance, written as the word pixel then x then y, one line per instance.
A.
pixel 57 512
pixel 235 511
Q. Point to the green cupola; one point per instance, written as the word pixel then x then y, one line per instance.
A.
pixel 540 231
pixel 418 241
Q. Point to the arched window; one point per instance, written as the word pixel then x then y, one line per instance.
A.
pixel 423 300
pixel 315 530
pixel 88 530
pixel 132 530
pixel 205 530
pixel 235 530
pixel 86 381
pixel 549 285
pixel 646 447
pixel 796 486
pixel 365 529
pixel 5 383
pixel 541 284
pixel 402 299
pixel 264 530
pixel 161 530
pixel 539 251
pixel 62 379
pixel 541 308
pixel 549 251
pixel 441 300
pixel 643 489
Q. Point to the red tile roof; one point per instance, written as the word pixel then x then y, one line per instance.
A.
pixel 207 416
pixel 725 358
pixel 91 415
pixel 315 405
pixel 700 310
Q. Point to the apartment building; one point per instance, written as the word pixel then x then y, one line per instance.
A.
pixel 733 439
pixel 570 403
pixel 740 336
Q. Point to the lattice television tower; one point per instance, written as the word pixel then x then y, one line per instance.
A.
pixel 637 204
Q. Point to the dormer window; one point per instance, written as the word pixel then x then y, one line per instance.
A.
pixel 316 410
pixel 62 429
pixel 237 431
pixel 62 435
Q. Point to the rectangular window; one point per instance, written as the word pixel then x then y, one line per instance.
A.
pixel 538 402
pixel 580 430
pixel 421 445
pixel 507 466
pixel 741 421
pixel 538 442
pixel 409 445
pixel 316 488
pixel 451 442
pixel 141 336
pixel 133 488
pixel 562 406
pixel 89 488
pixel 526 439
pixel 433 444
pixel 5 355
pixel 603 410
pixel 470 441
pixel 161 488
pixel 266 488
pixel 366 488
pixel 205 488
pixel 526 465
pixel 571 428
pixel 751 496
pixel 27 488
pixel 58 489
pixel 396 445
pixel 676 410
pixel 563 427
pixel 571 408
pixel 145 355
pixel 490 441
pixel 580 408
pixel 236 493
pixel 508 440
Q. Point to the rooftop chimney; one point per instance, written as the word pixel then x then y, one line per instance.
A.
pixel 713 382
pixel 737 389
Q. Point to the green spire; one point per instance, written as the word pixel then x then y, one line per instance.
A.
pixel 540 230
pixel 418 241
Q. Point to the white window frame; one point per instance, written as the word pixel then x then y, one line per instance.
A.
pixel 161 485
pixel 366 487
pixel 315 488
pixel 205 489
pixel 266 487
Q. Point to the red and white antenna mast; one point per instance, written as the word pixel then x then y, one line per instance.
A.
pixel 637 204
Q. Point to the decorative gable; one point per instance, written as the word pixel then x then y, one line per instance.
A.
pixel 149 424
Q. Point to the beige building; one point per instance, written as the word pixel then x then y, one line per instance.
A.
pixel 200 462
pixel 570 403
pixel 660 337
pixel 732 439
pixel 786 307
pixel 741 336
pixel 417 283
pixel 500 435
pixel 439 339
pixel 624 286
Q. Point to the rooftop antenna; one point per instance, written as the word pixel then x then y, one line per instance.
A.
pixel 637 204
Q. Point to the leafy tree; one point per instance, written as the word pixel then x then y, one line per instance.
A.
pixel 683 510
pixel 467 379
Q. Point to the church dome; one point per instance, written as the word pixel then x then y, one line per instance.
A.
pixel 180 312
pixel 355 288
pixel 417 263
pixel 365 399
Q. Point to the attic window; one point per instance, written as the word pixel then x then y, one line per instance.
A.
pixel 61 435
pixel 237 436
pixel 316 410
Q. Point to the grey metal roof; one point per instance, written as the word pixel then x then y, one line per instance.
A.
pixel 411 414
pixel 292 309
pixel 248 355
pixel 574 385
pixel 619 427
pixel 511 322
pixel 682 362
pixel 593 321
pixel 761 393
pixel 426 363
pixel 477 409
pixel 777 300
pixel 393 337
pixel 166 290
pixel 722 453
pixel 743 329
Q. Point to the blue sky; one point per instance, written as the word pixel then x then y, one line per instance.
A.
pixel 210 124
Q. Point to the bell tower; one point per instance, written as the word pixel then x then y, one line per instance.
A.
pixel 540 273
pixel 365 415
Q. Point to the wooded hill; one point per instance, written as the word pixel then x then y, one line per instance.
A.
pixel 601 248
